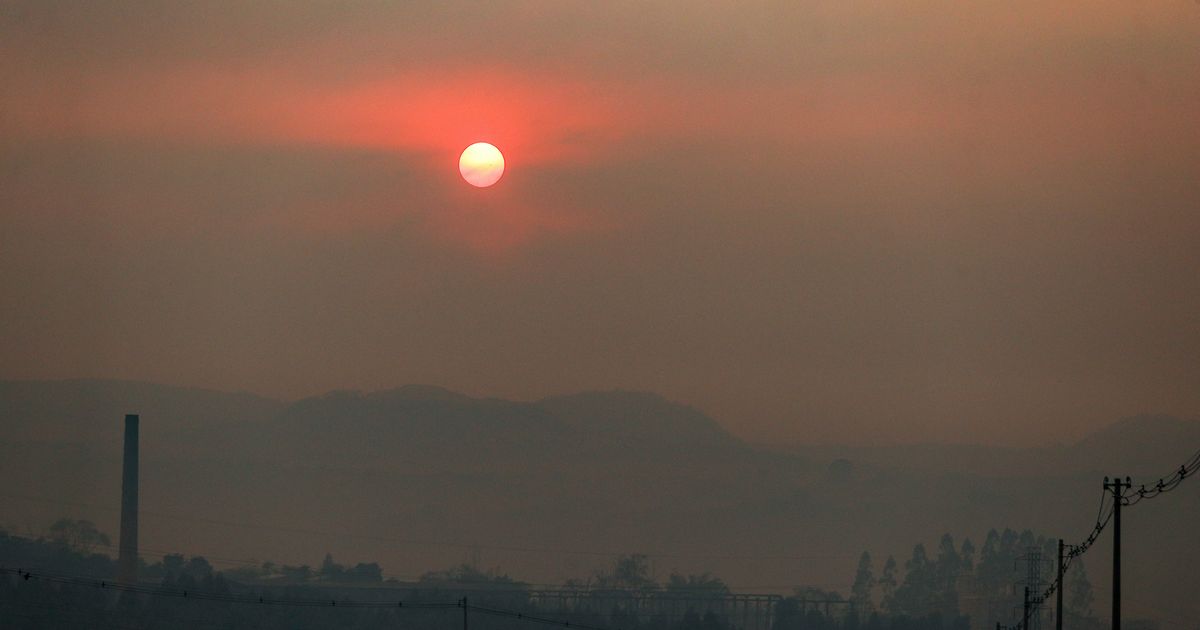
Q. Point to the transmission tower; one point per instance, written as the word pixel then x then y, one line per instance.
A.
pixel 1035 586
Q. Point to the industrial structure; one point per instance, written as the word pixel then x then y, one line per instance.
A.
pixel 127 563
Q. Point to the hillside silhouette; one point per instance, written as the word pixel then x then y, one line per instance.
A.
pixel 419 477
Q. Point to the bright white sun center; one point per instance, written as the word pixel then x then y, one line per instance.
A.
pixel 481 164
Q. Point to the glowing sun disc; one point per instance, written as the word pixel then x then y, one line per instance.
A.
pixel 481 164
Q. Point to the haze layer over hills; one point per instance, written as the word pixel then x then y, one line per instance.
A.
pixel 419 478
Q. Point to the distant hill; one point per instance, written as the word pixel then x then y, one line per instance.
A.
pixel 1139 445
pixel 415 429
pixel 639 418
pixel 418 476
pixel 428 429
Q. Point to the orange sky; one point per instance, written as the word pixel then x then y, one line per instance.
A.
pixel 931 220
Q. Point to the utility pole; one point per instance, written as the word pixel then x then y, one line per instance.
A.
pixel 464 605
pixel 1118 488
pixel 1025 618
pixel 1058 592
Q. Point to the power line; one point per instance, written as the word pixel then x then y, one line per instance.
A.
pixel 1103 517
pixel 262 600
pixel 162 591
pixel 500 612
pixel 1105 514
pixel 87 617
pixel 1167 484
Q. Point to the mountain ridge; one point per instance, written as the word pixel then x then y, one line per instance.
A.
pixel 628 413
pixel 611 470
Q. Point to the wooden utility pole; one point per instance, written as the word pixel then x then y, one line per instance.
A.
pixel 1058 592
pixel 1118 488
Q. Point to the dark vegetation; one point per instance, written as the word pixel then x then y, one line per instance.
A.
pixel 943 590
pixel 246 477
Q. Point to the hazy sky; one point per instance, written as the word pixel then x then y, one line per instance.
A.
pixel 820 221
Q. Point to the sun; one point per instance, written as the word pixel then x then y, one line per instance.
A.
pixel 481 164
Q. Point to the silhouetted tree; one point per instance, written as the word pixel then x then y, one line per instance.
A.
pixel 331 570
pixel 470 574
pixel 696 585
pixel 630 573
pixel 78 535
pixel 1078 593
pixel 302 573
pixel 803 612
pixel 198 568
pixel 968 555
pixel 860 592
pixel 887 585
pixel 949 566
pixel 913 596
pixel 364 572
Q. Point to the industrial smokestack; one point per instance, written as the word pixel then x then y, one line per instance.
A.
pixel 127 564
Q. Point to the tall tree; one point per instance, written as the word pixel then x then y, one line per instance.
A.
pixel 1078 592
pixel 914 596
pixel 630 572
pixel 864 581
pixel 331 570
pixel 968 555
pixel 703 585
pixel 946 571
pixel 78 535
pixel 887 585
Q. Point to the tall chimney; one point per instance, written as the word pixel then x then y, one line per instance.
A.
pixel 127 563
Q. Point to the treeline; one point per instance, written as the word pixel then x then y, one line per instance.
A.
pixel 329 571
pixel 956 587
pixel 72 548
pixel 959 586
